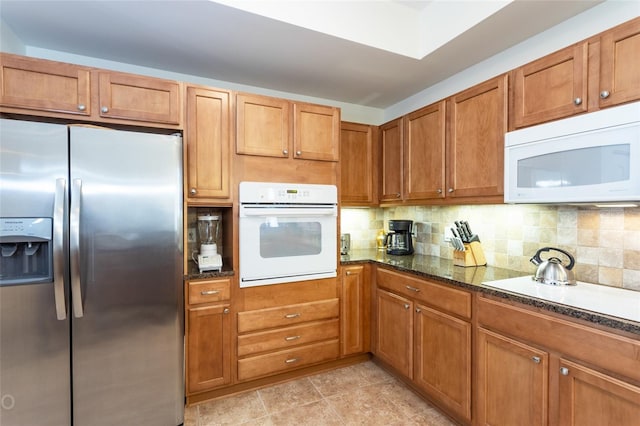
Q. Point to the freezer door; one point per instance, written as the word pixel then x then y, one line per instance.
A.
pixel 126 277
pixel 34 342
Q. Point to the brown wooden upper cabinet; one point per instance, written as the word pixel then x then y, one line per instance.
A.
pixel 133 97
pixel 448 150
pixel 392 163
pixel 57 89
pixel 358 156
pixel 46 86
pixel 589 75
pixel 475 148
pixel 274 127
pixel 207 137
pixel 620 64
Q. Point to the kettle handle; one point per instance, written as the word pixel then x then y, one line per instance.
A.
pixel 572 261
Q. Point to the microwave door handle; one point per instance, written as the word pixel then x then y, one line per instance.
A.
pixel 76 287
pixel 59 210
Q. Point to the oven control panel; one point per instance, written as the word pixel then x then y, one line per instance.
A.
pixel 270 192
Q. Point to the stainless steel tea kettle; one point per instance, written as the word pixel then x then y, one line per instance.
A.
pixel 552 271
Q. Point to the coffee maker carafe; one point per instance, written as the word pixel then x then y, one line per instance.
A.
pixel 398 240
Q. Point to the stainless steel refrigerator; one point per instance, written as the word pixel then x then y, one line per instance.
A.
pixel 91 328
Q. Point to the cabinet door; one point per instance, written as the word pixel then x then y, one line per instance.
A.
pixel 355 310
pixel 42 85
pixel 424 153
pixel 207 139
pixel 552 87
pixel 512 384
pixel 588 397
pixel 443 359
pixel 357 162
pixel 476 146
pixel 263 126
pixel 316 130
pixel 132 97
pixel 391 139
pixel 619 64
pixel 208 348
pixel 394 332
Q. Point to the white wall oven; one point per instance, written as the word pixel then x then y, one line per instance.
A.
pixel 288 232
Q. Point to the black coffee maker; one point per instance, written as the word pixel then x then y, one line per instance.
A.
pixel 398 240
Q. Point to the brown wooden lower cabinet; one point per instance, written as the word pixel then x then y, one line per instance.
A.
pixel 442 359
pixel 512 385
pixel 538 369
pixel 589 397
pixel 208 348
pixel 427 346
pixel 355 310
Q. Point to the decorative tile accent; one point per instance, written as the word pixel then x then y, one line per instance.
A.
pixel 599 239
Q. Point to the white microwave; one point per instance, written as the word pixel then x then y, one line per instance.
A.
pixel 591 158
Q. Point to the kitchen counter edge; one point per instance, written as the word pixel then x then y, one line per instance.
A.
pixel 471 278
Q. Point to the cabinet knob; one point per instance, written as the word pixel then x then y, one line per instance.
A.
pixel 564 371
pixel 577 101
pixel 193 191
pixel 104 109
pixel 397 195
pixel 225 311
pixel 82 107
pixel 298 153
pixel 439 190
pixel 406 306
pixel 285 152
pixel 450 190
pixel 348 272
pixel 536 359
pixel 604 94
pixel 418 310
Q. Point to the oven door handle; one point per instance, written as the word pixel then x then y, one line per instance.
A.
pixel 246 211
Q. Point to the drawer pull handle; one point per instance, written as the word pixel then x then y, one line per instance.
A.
pixel 290 338
pixel 291 360
pixel 412 288
pixel 209 292
pixel 289 316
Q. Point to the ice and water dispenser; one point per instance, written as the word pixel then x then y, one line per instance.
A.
pixel 26 250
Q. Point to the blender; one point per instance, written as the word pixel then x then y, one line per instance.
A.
pixel 208 228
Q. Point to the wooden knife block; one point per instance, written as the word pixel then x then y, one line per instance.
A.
pixel 473 255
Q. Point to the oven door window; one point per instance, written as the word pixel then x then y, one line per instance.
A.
pixel 289 239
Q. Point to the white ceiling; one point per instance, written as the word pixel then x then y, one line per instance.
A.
pixel 366 52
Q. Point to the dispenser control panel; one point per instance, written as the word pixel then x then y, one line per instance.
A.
pixel 29 229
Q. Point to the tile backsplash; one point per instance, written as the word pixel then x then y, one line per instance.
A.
pixel 605 242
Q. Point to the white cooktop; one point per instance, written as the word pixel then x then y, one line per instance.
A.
pixel 611 301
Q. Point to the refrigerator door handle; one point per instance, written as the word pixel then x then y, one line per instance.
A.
pixel 59 207
pixel 76 287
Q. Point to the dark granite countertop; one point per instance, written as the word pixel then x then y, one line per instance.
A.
pixel 471 278
pixel 193 273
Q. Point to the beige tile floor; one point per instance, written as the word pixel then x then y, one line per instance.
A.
pixel 361 394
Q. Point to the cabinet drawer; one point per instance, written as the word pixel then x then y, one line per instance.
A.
pixel 612 352
pixel 288 337
pixel 262 365
pixel 208 291
pixel 287 315
pixel 454 301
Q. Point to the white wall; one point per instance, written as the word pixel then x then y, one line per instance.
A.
pixel 9 42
